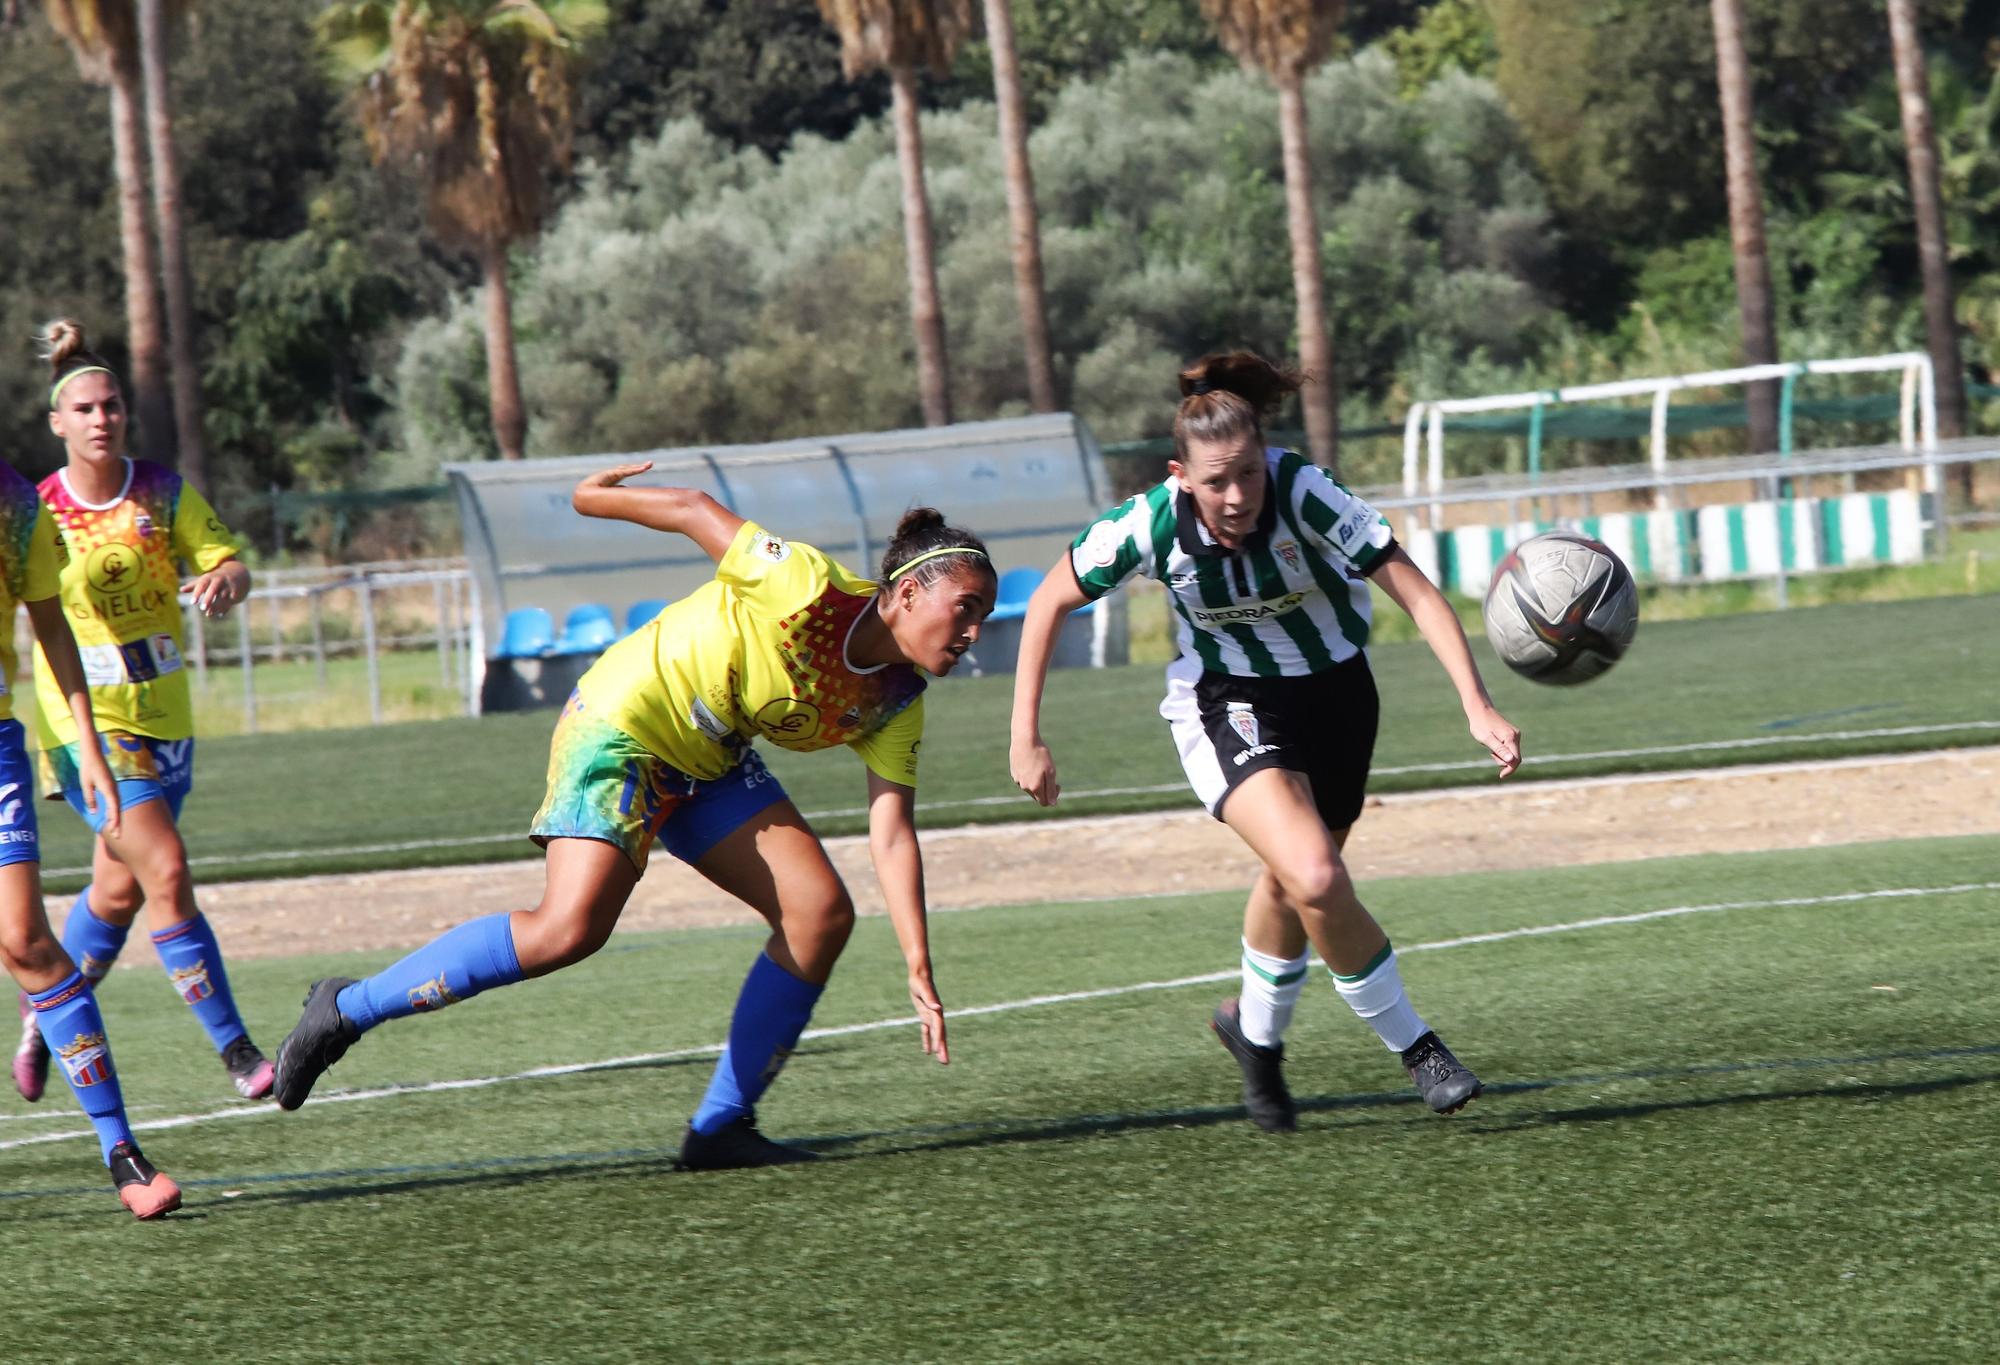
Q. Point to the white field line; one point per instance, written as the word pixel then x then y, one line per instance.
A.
pixel 1004 1007
pixel 293 855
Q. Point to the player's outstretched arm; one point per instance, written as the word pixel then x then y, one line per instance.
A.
pixel 678 511
pixel 1407 585
pixel 899 867
pixel 1033 767
pixel 100 792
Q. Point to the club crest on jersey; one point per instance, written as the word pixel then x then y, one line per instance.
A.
pixel 192 982
pixel 142 521
pixel 849 718
pixel 432 995
pixel 86 1059
pixel 1244 722
pixel 1288 550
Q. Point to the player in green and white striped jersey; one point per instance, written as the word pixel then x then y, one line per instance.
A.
pixel 1266 560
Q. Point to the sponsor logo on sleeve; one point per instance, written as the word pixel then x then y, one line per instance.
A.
pixel 770 547
pixel 706 720
pixel 1354 527
pixel 1100 546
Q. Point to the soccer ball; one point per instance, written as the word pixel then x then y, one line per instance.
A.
pixel 1562 608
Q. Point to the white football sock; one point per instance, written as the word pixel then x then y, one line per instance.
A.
pixel 1271 987
pixel 1377 996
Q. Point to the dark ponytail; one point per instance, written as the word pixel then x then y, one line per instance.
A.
pixel 921 531
pixel 1227 395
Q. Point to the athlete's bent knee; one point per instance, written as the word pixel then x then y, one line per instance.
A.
pixel 1315 883
pixel 558 939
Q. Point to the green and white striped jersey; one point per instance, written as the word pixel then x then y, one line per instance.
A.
pixel 1291 601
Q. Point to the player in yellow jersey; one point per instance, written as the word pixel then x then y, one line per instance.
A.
pixel 58 1000
pixel 123 526
pixel 786 645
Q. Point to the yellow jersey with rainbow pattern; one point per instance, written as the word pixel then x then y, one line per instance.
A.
pixel 27 570
pixel 761 651
pixel 120 585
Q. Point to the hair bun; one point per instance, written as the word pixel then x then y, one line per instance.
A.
pixel 919 520
pixel 59 341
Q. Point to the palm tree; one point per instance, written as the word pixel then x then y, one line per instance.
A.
pixel 1746 219
pixel 1933 251
pixel 191 450
pixel 1285 39
pixel 103 36
pixel 1024 228
pixel 902 35
pixel 477 97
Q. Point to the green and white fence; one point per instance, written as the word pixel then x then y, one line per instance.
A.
pixel 1710 544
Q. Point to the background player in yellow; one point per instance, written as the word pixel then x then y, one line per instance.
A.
pixel 123 526
pixel 783 644
pixel 60 1005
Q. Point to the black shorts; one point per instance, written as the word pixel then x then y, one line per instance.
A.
pixel 1321 725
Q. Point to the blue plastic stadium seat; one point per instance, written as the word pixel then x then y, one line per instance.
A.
pixel 643 611
pixel 587 629
pixel 527 633
pixel 1016 587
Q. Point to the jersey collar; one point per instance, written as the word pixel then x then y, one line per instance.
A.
pixel 89 506
pixel 1194 537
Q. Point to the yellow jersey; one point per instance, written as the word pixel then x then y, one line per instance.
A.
pixel 761 650
pixel 27 570
pixel 120 586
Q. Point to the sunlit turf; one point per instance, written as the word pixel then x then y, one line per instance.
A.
pixel 1792 685
pixel 1757 1133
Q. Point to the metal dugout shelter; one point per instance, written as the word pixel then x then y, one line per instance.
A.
pixel 1025 485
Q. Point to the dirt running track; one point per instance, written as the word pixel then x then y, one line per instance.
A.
pixel 1482 828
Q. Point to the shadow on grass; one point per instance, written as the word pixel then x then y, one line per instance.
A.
pixel 295 1188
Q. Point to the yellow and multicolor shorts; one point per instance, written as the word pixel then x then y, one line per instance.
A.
pixel 605 785
pixel 146 769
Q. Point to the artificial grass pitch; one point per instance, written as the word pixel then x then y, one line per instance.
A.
pixel 1760 1132
pixel 1804 684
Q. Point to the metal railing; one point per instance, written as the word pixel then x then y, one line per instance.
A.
pixel 450 626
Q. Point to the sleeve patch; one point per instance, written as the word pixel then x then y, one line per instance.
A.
pixel 1101 544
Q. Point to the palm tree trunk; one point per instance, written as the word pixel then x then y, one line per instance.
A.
pixel 1024 228
pixel 1746 219
pixel 144 334
pixel 193 454
pixel 503 375
pixel 1920 139
pixel 1320 397
pixel 926 312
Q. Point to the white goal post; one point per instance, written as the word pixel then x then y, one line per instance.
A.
pixel 1424 426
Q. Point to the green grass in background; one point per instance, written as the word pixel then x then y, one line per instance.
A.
pixel 1755 1134
pixel 1792 683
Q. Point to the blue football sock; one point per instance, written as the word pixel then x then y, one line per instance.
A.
pixel 476 956
pixel 194 964
pixel 67 1015
pixel 771 1013
pixel 92 944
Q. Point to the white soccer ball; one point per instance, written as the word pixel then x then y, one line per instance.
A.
pixel 1562 608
